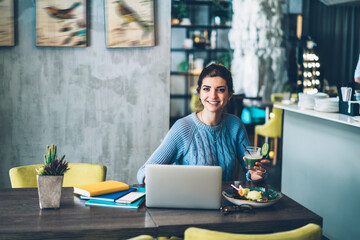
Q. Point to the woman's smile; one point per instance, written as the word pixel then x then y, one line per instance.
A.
pixel 214 94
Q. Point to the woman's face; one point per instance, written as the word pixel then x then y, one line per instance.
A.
pixel 214 94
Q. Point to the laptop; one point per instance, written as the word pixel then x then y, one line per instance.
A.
pixel 183 186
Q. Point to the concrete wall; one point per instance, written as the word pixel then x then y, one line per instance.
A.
pixel 98 105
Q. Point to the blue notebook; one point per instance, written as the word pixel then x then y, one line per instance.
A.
pixel 101 203
pixel 110 197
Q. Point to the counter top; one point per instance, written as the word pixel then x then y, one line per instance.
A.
pixel 335 117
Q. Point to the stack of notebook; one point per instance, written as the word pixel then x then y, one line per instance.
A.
pixel 111 194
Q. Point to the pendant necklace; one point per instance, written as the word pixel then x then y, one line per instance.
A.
pixel 215 139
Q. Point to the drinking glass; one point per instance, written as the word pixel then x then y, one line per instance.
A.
pixel 252 155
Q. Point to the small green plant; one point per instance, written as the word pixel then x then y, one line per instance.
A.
pixel 52 165
pixel 289 87
pixel 225 60
pixel 179 9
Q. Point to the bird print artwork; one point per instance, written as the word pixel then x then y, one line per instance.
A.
pixel 129 23
pixel 62 14
pixel 7 23
pixel 61 23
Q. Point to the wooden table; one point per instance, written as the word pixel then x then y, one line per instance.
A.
pixel 21 218
pixel 286 214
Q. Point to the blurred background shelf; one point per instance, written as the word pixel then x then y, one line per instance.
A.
pixel 199 36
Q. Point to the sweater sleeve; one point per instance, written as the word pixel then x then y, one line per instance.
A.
pixel 241 140
pixel 170 150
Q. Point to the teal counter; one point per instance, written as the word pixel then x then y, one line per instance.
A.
pixel 321 167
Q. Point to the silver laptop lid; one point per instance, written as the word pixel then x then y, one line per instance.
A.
pixel 183 186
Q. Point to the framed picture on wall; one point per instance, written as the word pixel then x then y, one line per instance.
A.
pixel 7 36
pixel 129 23
pixel 61 23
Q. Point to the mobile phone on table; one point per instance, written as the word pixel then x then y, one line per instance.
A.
pixel 130 197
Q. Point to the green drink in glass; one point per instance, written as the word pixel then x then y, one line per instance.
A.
pixel 252 155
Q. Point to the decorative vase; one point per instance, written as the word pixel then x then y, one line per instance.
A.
pixel 49 189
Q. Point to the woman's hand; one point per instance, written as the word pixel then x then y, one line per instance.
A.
pixel 260 170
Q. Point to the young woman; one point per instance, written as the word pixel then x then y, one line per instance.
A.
pixel 209 137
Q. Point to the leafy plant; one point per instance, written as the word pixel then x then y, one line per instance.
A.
pixel 179 9
pixel 221 9
pixel 225 60
pixel 289 87
pixel 52 165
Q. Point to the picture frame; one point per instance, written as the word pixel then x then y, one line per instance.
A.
pixel 7 24
pixel 61 23
pixel 129 23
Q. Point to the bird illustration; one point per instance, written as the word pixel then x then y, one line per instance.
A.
pixel 129 15
pixel 62 14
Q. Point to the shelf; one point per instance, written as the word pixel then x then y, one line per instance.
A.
pixel 180 96
pixel 184 73
pixel 213 19
pixel 201 50
pixel 201 26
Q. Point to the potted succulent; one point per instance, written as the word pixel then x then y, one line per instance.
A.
pixel 50 178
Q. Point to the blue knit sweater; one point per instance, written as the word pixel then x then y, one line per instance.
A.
pixel 191 142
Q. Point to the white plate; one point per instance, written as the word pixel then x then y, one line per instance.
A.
pixel 229 195
pixel 328 110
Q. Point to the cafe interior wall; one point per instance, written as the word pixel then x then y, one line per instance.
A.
pixel 98 105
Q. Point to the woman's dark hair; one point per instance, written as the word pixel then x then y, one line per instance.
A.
pixel 216 70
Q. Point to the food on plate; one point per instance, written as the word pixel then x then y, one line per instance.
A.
pixel 252 195
pixel 243 191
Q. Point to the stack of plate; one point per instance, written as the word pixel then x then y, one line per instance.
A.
pixel 307 101
pixel 327 105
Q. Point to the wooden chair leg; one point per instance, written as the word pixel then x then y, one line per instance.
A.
pixel 255 140
pixel 276 144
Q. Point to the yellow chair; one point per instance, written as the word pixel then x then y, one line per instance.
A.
pixel 78 174
pixel 310 231
pixel 278 97
pixel 195 103
pixel 169 238
pixel 148 237
pixel 271 129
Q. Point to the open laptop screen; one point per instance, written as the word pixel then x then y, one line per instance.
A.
pixel 183 186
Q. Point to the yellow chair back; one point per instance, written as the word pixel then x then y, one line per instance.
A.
pixel 195 103
pixel 78 174
pixel 308 232
pixel 278 97
pixel 273 127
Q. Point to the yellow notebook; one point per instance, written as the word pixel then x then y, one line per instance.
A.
pixel 100 188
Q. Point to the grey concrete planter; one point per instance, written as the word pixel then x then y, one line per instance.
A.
pixel 49 189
